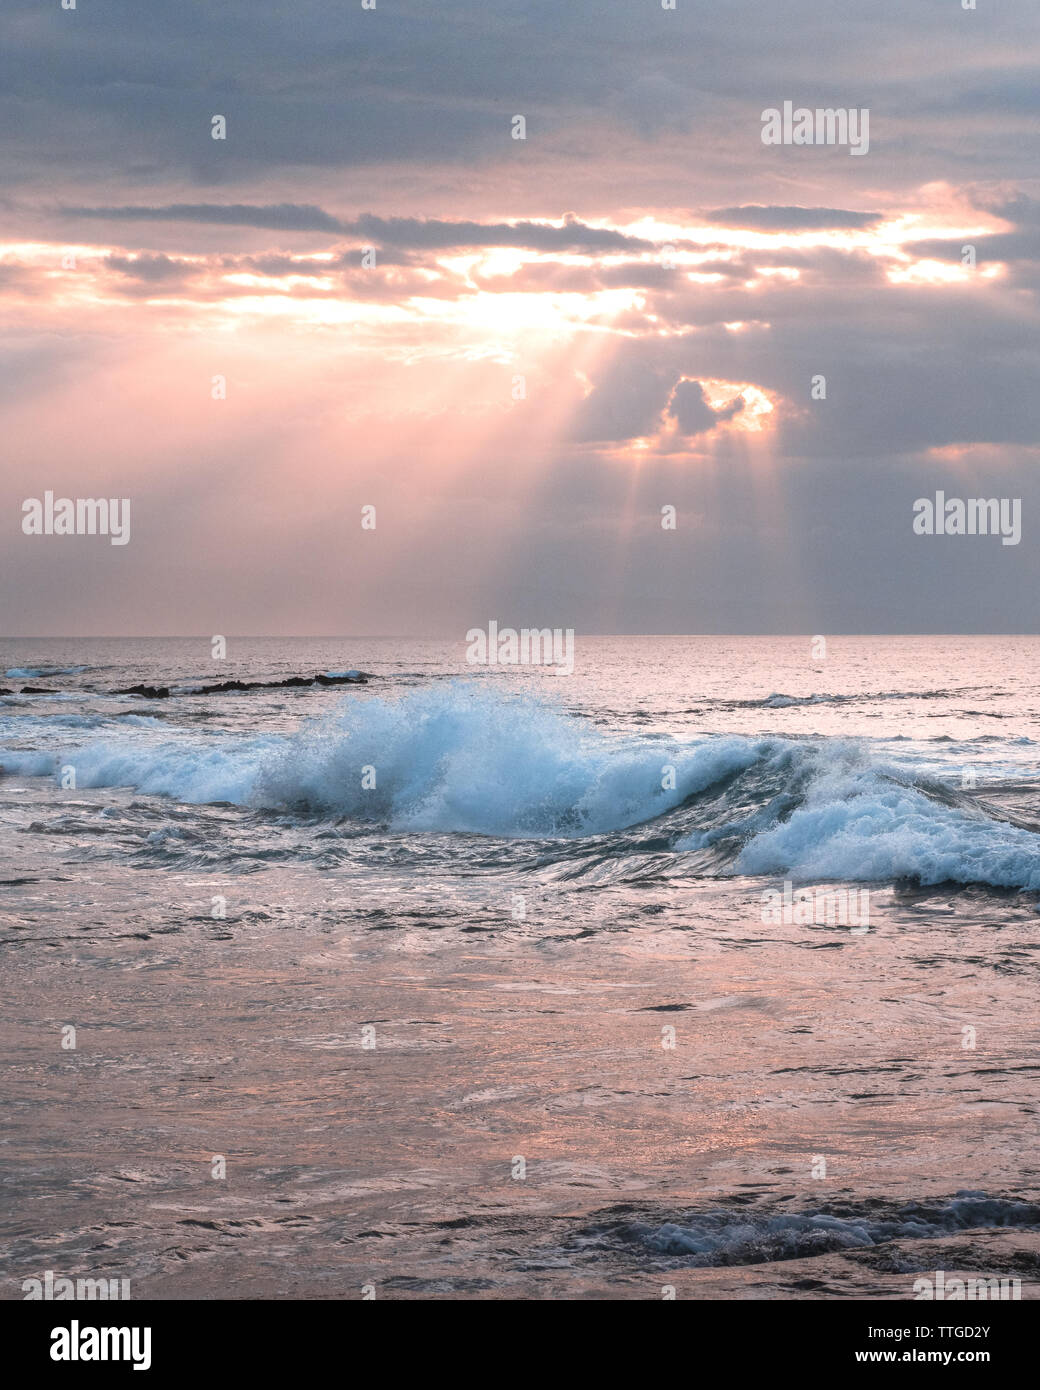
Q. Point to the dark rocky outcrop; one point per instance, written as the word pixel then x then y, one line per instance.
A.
pixel 162 692
pixel 148 692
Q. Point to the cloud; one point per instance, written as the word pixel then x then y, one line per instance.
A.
pixel 282 217
pixel 627 401
pixel 691 411
pixel 406 114
pixel 149 268
pixel 416 233
pixel 420 99
pixel 1020 209
pixel 433 234
pixel 790 219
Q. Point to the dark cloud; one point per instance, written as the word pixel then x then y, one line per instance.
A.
pixel 432 234
pixel 277 265
pixel 790 219
pixel 627 400
pixel 150 268
pixel 415 233
pixel 1021 209
pixel 293 217
pixel 691 411
pixel 662 96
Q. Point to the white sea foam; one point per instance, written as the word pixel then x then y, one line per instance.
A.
pixel 861 825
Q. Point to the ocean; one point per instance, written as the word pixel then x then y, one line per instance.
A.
pixel 706 969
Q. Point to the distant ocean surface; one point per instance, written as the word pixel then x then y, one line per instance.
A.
pixel 378 942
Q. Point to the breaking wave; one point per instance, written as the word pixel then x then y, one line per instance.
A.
pixel 460 759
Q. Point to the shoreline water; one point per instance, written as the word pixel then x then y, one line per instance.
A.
pixel 473 1065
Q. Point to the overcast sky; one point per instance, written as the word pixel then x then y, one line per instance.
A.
pixel 559 336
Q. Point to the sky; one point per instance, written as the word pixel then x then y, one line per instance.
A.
pixel 371 294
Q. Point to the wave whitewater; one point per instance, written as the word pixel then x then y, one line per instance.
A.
pixel 779 700
pixel 461 759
